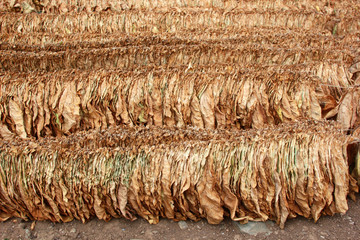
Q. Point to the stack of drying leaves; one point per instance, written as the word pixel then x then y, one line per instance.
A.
pixel 175 20
pixel 130 57
pixel 274 173
pixel 64 6
pixel 275 36
pixel 134 108
pixel 67 101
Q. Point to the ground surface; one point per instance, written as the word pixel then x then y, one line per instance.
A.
pixel 336 227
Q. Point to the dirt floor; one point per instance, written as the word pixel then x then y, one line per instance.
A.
pixel 336 227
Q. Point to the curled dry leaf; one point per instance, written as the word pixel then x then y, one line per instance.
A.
pixel 349 109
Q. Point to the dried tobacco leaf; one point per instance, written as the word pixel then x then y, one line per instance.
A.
pixel 349 109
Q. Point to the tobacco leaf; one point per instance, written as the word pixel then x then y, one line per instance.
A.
pixel 16 113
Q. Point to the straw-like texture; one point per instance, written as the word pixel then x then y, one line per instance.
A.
pixel 170 20
pixel 264 36
pixel 67 101
pixel 90 6
pixel 276 173
pixel 138 108
pixel 349 108
pixel 128 57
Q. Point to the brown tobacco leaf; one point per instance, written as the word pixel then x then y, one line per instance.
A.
pixel 207 107
pixel 5 132
pixel 69 108
pixel 349 109
pixel 16 113
pixel 353 151
pixel 209 198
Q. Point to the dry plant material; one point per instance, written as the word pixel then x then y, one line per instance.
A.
pixel 349 108
pixel 129 57
pixel 264 36
pixel 90 6
pixel 67 101
pixel 172 20
pixel 276 173
pixel 134 108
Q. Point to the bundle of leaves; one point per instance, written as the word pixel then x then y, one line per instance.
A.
pixel 40 104
pixel 275 173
